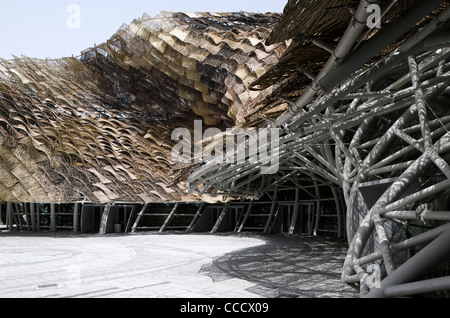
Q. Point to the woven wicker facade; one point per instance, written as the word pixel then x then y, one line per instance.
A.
pixel 98 127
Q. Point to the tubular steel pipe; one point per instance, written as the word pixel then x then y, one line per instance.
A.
pixel 318 208
pixel 52 217
pixel 38 216
pixel 9 218
pixel 354 30
pixel 385 248
pixel 25 208
pixel 130 219
pixel 138 219
pixel 412 215
pixel 221 217
pixel 386 36
pixel 272 210
pixel 104 219
pixel 408 243
pixel 394 63
pixel 169 218
pixel 33 217
pixel 433 189
pixel 420 103
pixel 247 214
pixel 416 267
pixel 17 216
pixel 295 213
pixel 422 287
pixel 200 210
pixel 76 209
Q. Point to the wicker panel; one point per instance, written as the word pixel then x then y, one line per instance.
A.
pixel 98 127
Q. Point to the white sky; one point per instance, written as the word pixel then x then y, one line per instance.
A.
pixel 39 28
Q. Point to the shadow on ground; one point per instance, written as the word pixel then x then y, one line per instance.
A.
pixel 287 267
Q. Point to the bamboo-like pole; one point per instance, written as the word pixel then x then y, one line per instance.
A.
pixel 295 212
pixel 138 219
pixel 53 217
pixel 221 217
pixel 9 216
pixel 197 215
pixel 169 218
pixel 76 209
pixel 33 217
pixel 272 210
pixel 247 214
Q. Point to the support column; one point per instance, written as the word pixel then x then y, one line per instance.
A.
pixel 52 217
pixel 316 227
pixel 247 213
pixel 25 209
pixel 9 217
pixel 16 216
pixel 130 219
pixel 33 217
pixel 337 201
pixel 141 213
pixel 272 210
pixel 38 215
pixel 169 218
pixel 196 216
pixel 75 217
pixel 221 217
pixel 104 220
pixel 295 213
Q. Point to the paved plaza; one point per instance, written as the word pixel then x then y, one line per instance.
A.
pixel 150 265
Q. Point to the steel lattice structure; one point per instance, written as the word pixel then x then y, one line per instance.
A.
pixel 386 129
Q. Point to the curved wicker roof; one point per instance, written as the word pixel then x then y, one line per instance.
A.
pixel 98 127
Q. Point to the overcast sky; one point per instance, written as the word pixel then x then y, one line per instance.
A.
pixel 57 28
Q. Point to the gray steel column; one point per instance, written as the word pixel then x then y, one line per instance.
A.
pixel 200 210
pixel 104 220
pixel 272 210
pixel 338 211
pixel 141 213
pixel 416 267
pixel 25 209
pixel 130 219
pixel 423 238
pixel 169 218
pixel 318 207
pixel 38 215
pixel 52 218
pixel 75 217
pixel 295 213
pixel 247 214
pixel 16 216
pixel 421 287
pixel 9 218
pixel 33 217
pixel 221 217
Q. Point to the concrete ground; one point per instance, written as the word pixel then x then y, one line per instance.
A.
pixel 150 265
